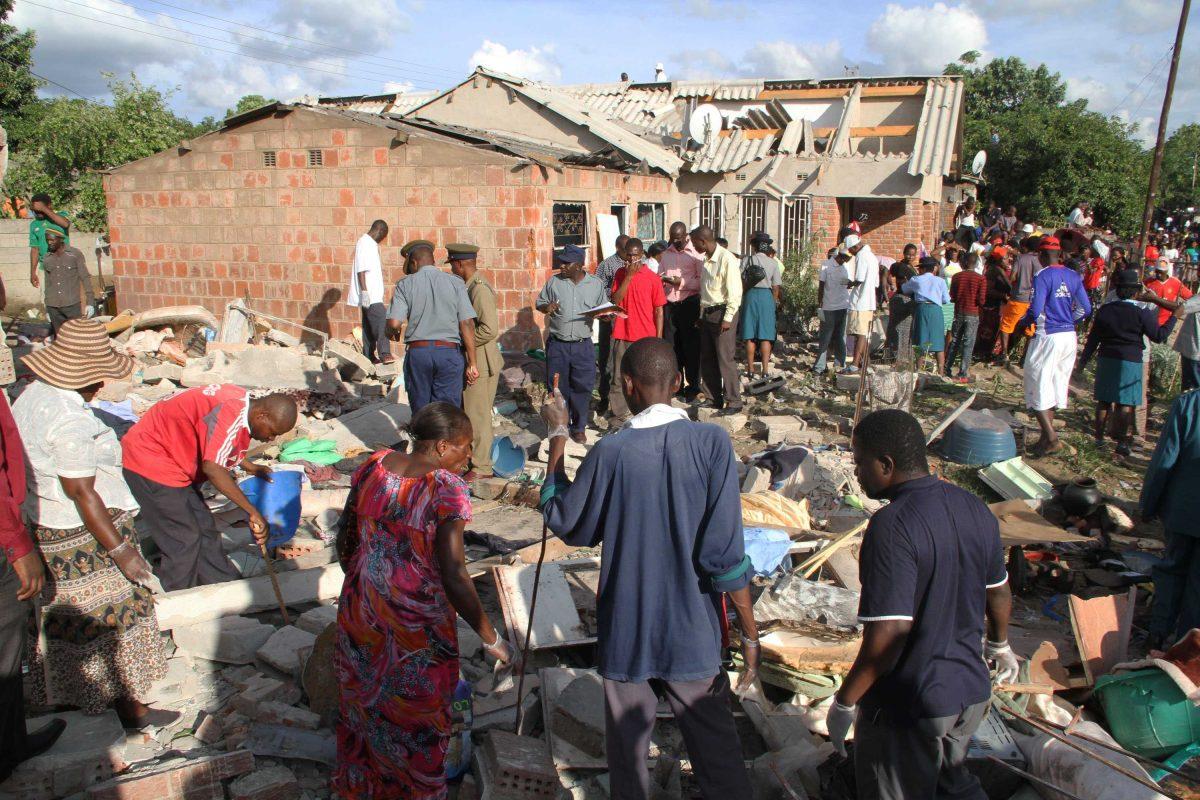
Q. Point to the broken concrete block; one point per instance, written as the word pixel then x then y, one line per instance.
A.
pixel 209 731
pixel 352 364
pixel 757 480
pixel 274 713
pixel 488 488
pixel 158 372
pixel 520 767
pixel 573 449
pixel 90 750
pixel 579 714
pixel 271 783
pixel 778 427
pixel 280 741
pixel 230 640
pixel 191 606
pixel 177 779
pixel 848 383
pixel 317 620
pixel 706 414
pixel 261 689
pixel 1114 520
pixel 283 650
pixel 469 643
pixel 731 422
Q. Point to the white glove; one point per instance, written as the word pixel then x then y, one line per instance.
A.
pixel 1007 667
pixel 839 721
pixel 89 311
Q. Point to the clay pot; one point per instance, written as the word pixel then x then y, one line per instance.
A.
pixel 1081 497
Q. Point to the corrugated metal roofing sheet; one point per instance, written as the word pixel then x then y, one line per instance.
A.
pixel 791 141
pixel 397 103
pixel 937 131
pixel 731 152
pixel 747 89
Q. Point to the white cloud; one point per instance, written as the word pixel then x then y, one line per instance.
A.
pixel 787 60
pixel 724 10
pixel 400 87
pixel 536 63
pixel 369 25
pixel 1149 16
pixel 1099 94
pixel 924 39
pixel 73 47
pixel 1034 9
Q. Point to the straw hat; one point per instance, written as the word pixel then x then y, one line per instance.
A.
pixel 80 356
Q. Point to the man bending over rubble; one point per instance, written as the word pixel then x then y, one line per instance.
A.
pixel 932 569
pixel 197 436
pixel 662 495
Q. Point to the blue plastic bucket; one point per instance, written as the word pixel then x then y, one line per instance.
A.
pixel 278 501
pixel 508 460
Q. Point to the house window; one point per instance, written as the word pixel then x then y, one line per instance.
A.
pixel 795 225
pixel 569 221
pixel 712 212
pixel 316 158
pixel 621 212
pixel 651 221
pixel 268 158
pixel 754 219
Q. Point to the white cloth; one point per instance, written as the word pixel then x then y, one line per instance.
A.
pixel 652 263
pixel 1100 249
pixel 64 439
pixel 1075 218
pixel 655 415
pixel 866 269
pixel 366 260
pixel 837 295
pixel 1048 367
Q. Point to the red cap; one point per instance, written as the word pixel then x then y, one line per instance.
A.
pixel 999 251
pixel 997 239
pixel 1049 243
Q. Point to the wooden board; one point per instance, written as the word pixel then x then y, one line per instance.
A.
pixel 807 654
pixel 1021 525
pixel 1102 626
pixel 556 619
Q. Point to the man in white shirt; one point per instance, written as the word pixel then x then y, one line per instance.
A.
pixel 833 299
pixel 366 293
pixel 864 272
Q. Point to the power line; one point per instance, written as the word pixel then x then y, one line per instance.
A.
pixel 1142 102
pixel 1129 94
pixel 65 88
pixel 302 39
pixel 208 47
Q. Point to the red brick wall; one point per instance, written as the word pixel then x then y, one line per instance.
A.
pixel 214 224
pixel 891 223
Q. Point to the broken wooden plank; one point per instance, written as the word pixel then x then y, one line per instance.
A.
pixel 556 549
pixel 842 564
pixel 556 623
pixel 948 421
pixel 231 598
pixel 1102 626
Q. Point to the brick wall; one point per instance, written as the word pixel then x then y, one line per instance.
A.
pixel 213 224
pixel 891 223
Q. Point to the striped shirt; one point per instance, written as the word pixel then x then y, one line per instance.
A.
pixel 169 444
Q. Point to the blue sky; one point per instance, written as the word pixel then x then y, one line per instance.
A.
pixel 1113 52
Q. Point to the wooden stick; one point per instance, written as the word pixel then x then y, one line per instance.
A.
pixel 863 380
pixel 262 546
pixel 1128 773
pixel 814 562
pixel 1031 777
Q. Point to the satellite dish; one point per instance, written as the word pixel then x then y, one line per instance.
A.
pixel 979 163
pixel 704 123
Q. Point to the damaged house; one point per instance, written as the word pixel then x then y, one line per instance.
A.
pixel 268 207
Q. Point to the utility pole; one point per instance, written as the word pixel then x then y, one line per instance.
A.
pixel 1156 165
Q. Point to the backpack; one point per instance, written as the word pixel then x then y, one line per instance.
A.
pixel 752 274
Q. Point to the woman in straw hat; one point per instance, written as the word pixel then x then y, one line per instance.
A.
pixel 103 647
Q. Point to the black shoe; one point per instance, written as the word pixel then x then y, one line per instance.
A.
pixel 730 411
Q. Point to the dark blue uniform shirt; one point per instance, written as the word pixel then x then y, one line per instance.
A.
pixel 929 556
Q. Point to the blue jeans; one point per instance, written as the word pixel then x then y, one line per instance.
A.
pixel 1189 370
pixel 833 334
pixel 1176 607
pixel 433 374
pixel 962 342
pixel 575 364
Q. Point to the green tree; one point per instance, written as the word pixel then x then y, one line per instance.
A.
pixel 1045 154
pixel 1180 185
pixel 248 102
pixel 18 86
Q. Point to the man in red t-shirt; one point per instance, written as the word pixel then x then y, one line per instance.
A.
pixel 639 293
pixel 198 435
pixel 1167 287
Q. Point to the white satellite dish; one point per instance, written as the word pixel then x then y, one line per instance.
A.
pixel 704 123
pixel 979 163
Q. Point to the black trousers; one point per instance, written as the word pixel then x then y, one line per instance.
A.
pixel 679 328
pixel 185 532
pixel 60 314
pixel 605 336
pixel 374 331
pixel 14 617
pixel 718 364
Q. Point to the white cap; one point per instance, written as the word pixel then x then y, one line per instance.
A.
pixel 1164 265
pixel 852 241
pixel 1027 228
pixel 842 251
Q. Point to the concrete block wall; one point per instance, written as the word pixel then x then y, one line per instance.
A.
pixel 14 265
pixel 213 223
pixel 892 223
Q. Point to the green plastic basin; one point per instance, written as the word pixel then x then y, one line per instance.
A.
pixel 1147 713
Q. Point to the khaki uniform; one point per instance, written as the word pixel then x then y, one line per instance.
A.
pixel 479 398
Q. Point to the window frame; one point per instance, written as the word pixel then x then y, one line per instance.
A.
pixel 743 218
pixel 660 232
pixel 583 237
pixel 716 202
pixel 785 242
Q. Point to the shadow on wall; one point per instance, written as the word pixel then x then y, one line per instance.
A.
pixel 318 319
pixel 525 334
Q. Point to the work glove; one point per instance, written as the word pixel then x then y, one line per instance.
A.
pixel 500 650
pixel 89 311
pixel 839 720
pixel 134 567
pixel 1005 660
pixel 555 414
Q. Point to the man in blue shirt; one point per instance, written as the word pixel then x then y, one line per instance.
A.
pixel 434 312
pixel 662 496
pixel 929 291
pixel 932 570
pixel 1169 492
pixel 1059 301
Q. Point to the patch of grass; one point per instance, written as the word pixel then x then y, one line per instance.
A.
pixel 968 478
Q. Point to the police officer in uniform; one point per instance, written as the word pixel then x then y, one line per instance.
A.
pixel 479 397
pixel 430 308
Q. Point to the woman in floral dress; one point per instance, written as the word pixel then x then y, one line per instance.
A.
pixel 401 545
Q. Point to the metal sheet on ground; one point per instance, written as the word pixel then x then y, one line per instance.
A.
pixel 556 619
